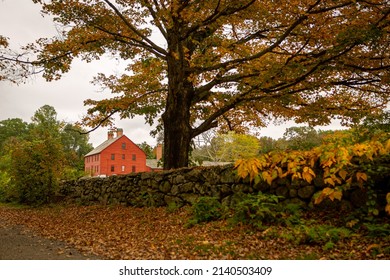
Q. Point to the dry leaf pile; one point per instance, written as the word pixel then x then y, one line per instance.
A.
pixel 117 232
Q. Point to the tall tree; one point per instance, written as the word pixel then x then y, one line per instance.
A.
pixel 75 146
pixel 233 64
pixel 37 162
pixel 227 148
pixel 147 149
pixel 302 138
pixel 12 128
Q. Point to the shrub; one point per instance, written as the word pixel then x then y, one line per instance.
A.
pixel 340 167
pixel 206 209
pixel 322 234
pixel 256 209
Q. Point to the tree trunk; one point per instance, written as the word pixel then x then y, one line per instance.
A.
pixel 177 137
pixel 176 118
pixel 177 127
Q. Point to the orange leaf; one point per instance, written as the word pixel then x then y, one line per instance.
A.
pixel 361 176
pixel 343 174
pixel 329 181
pixel 267 177
pixel 308 174
pixel 387 209
pixel 338 194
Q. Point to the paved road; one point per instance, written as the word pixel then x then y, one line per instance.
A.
pixel 19 244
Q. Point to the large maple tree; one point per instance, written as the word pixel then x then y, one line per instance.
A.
pixel 200 64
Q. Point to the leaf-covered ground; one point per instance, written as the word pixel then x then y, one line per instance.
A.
pixel 117 232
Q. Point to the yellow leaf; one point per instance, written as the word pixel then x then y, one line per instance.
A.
pixel 387 148
pixel 238 163
pixel 313 162
pixel 361 176
pixel 337 180
pixel 324 193
pixel 296 175
pixel 267 177
pixel 284 174
pixel 319 199
pixel 387 209
pixel 274 174
pixel 326 172
pixel 360 149
pixel 329 181
pixel 327 163
pixel 308 174
pixel 248 167
pixel 352 223
pixel 388 198
pixel 307 177
pixel 327 191
pixel 337 194
pixel 343 174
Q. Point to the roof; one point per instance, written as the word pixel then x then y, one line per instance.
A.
pixel 153 163
pixel 107 143
pixel 215 163
pixel 102 146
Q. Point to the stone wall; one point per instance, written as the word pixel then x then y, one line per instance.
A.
pixel 184 186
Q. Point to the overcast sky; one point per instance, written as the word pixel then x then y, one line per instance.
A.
pixel 22 23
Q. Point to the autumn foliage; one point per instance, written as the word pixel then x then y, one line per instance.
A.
pixel 197 65
pixel 340 167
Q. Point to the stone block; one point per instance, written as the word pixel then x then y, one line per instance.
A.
pixel 165 187
pixel 306 192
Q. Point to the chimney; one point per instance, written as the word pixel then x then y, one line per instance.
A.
pixel 159 151
pixel 110 134
pixel 119 132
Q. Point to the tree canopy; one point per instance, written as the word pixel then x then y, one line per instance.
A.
pixel 226 148
pixel 35 156
pixel 230 64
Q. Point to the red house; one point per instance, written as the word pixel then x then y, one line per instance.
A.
pixel 117 155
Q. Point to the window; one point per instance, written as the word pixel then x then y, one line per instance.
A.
pixel 123 168
pixel 123 146
pixel 113 156
pixel 112 168
pixel 133 168
pixel 123 156
pixel 134 157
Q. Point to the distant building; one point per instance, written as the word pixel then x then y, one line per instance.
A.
pixel 158 151
pixel 117 155
pixel 156 164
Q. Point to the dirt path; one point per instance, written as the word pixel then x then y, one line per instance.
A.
pixel 16 243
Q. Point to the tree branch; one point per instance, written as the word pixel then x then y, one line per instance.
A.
pixel 101 122
pixel 148 43
pixel 156 18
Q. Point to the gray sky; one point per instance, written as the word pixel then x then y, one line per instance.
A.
pixel 22 23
